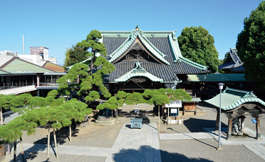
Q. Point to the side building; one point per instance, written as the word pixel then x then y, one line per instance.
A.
pixel 28 74
pixel 146 60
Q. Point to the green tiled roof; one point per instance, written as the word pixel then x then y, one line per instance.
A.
pixel 217 78
pixel 128 42
pixel 3 72
pixel 232 98
pixel 20 66
pixel 138 71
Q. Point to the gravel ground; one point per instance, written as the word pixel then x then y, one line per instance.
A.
pixel 204 150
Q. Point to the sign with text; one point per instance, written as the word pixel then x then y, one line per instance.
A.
pixel 176 103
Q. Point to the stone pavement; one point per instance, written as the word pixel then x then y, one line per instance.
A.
pixel 70 150
pixel 136 145
pixel 175 136
pixel 236 140
pixel 257 149
pixel 139 145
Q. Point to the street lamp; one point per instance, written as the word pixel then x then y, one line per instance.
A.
pixel 221 86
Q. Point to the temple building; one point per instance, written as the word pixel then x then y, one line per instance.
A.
pixel 233 63
pixel 146 60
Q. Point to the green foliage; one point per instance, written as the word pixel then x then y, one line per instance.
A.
pixel 180 94
pixel 92 43
pixel 37 102
pixel 160 99
pixel 250 46
pixel 53 93
pixel 5 101
pixel 196 44
pixel 121 95
pixel 93 95
pixel 75 55
pixel 49 100
pixel 133 98
pixel 105 91
pixel 57 102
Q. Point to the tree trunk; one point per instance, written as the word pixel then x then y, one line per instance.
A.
pixel 15 151
pixel 48 143
pixel 21 148
pixel 70 133
pixel 8 148
pixel 91 72
pixel 55 143
pixel 1 113
pixel 158 117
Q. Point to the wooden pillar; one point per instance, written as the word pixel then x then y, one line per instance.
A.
pixel 229 131
pixel 217 120
pixel 258 135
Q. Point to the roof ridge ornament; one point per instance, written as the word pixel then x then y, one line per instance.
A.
pixel 137 30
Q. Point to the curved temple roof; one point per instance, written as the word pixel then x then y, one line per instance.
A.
pixel 136 72
pixel 128 42
pixel 232 98
pixel 178 56
pixel 164 47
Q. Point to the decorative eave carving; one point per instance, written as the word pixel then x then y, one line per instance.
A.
pixel 138 71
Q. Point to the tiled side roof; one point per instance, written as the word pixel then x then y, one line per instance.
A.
pixel 165 72
pixel 232 62
pixel 234 56
pixel 53 67
pixel 232 98
pixel 17 65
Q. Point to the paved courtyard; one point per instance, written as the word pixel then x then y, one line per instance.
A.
pixel 186 142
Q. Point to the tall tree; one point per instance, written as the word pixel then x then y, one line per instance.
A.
pixel 250 45
pixel 86 77
pixel 92 44
pixel 196 44
pixel 75 55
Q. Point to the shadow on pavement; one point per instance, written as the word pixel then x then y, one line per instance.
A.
pixel 40 145
pixel 197 125
pixel 146 153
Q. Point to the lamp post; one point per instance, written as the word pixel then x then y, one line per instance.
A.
pixel 221 86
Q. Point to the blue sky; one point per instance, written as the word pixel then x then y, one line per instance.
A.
pixel 59 24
